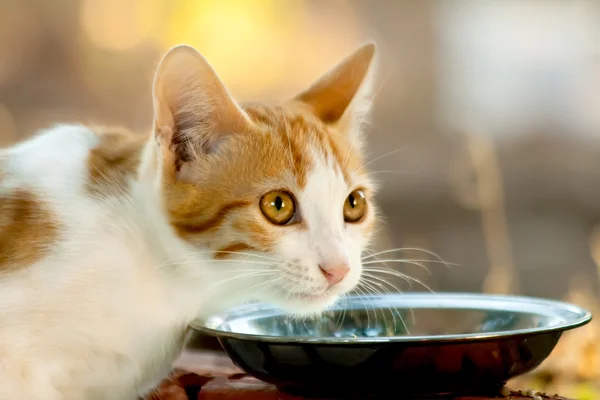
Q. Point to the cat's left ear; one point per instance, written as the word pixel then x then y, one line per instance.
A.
pixel 193 111
pixel 342 96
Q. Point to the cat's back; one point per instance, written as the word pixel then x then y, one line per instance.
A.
pixel 55 181
pixel 50 198
pixel 60 186
pixel 71 160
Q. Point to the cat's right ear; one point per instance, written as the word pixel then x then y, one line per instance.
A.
pixel 193 111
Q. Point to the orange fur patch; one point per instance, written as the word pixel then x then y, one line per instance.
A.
pixel 227 251
pixel 300 133
pixel 256 232
pixel 27 230
pixel 188 224
pixel 113 161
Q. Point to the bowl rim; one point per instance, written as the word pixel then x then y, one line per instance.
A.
pixel 580 317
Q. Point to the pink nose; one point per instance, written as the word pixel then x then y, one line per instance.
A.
pixel 335 273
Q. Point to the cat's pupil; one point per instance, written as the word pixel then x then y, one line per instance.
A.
pixel 278 203
pixel 352 201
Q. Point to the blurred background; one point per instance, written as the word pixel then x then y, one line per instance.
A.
pixel 485 132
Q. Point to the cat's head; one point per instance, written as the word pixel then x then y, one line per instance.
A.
pixel 279 189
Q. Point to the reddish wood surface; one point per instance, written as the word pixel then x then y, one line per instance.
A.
pixel 212 376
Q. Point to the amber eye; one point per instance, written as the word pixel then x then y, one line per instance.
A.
pixel 355 206
pixel 278 207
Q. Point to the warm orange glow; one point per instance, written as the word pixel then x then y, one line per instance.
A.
pixel 595 247
pixel 243 40
pixel 261 46
pixel 574 365
pixel 119 24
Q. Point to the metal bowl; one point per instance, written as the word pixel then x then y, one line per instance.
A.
pixel 415 344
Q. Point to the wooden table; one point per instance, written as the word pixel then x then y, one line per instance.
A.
pixel 209 375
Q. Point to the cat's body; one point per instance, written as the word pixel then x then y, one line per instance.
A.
pixel 110 243
pixel 94 308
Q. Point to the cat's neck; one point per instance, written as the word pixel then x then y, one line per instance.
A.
pixel 129 170
pixel 125 168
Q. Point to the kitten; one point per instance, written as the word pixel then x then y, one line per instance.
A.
pixel 111 243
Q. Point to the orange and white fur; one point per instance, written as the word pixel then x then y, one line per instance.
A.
pixel 111 243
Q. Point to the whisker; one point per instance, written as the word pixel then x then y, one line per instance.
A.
pixel 391 271
pixel 361 121
pixel 245 275
pixel 375 256
pixel 304 323
pixel 381 280
pixel 265 283
pixel 373 97
pixel 362 296
pixel 405 259
pixel 367 278
pixel 343 313
pixel 369 285
pixel 389 172
pixel 382 156
pixel 234 271
pixel 392 310
pixel 438 258
pixel 406 249
pixel 412 262
pixel 400 275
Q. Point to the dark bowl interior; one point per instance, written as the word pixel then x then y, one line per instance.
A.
pixel 414 344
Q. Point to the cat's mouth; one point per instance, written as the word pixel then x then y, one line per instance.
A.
pixel 311 296
pixel 306 302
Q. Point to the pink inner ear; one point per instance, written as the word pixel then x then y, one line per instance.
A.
pixel 192 100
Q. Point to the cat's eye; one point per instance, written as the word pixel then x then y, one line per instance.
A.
pixel 278 207
pixel 355 206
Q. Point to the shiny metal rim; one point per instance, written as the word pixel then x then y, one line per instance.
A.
pixel 574 317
